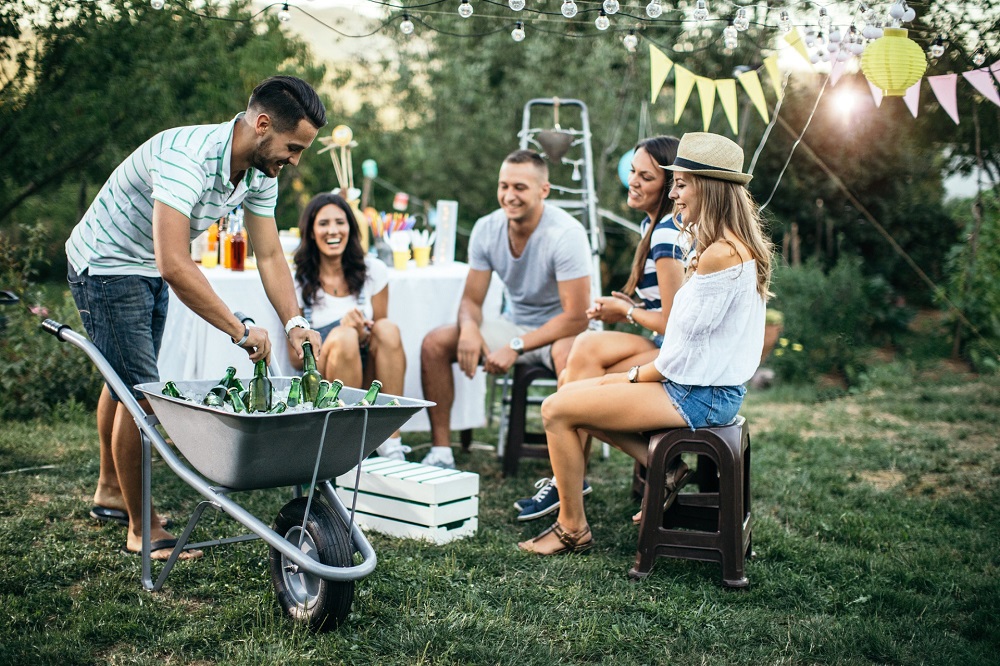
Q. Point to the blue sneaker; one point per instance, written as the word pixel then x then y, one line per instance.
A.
pixel 544 502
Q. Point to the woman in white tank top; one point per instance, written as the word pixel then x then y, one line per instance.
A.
pixel 712 342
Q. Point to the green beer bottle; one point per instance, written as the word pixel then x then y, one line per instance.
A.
pixel 216 397
pixel 329 398
pixel 261 390
pixel 278 408
pixel 170 389
pixel 227 381
pixel 373 390
pixel 310 375
pixel 234 398
pixel 393 403
pixel 295 392
pixel 324 388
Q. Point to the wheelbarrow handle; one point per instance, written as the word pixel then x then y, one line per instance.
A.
pixel 8 298
pixel 53 327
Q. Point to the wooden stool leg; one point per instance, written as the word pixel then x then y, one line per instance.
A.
pixel 466 439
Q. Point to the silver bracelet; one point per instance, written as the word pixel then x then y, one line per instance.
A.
pixel 628 315
pixel 246 335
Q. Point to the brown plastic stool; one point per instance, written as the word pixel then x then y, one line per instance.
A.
pixel 517 435
pixel 713 524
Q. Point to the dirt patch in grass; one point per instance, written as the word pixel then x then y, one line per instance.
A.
pixel 882 480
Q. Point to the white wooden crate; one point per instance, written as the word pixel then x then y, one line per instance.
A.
pixel 411 500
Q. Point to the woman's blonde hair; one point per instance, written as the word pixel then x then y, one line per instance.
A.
pixel 726 206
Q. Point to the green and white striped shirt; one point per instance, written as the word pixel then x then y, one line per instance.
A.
pixel 186 168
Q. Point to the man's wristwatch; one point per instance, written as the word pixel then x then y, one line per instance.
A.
pixel 517 344
pixel 297 321
pixel 628 314
pixel 633 374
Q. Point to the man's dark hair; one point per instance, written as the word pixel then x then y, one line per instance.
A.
pixel 287 100
pixel 526 156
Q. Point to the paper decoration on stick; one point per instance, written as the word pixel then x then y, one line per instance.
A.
pixel 771 67
pixel 751 84
pixel 794 40
pixel 912 98
pixel 944 89
pixel 341 138
pixel 876 93
pixel 706 92
pixel 683 83
pixel 982 80
pixel 727 95
pixel 659 67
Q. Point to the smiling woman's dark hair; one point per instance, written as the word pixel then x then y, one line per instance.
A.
pixel 307 258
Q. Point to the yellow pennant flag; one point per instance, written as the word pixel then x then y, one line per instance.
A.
pixel 706 92
pixel 751 84
pixel 794 40
pixel 683 83
pixel 659 67
pixel 727 95
pixel 771 67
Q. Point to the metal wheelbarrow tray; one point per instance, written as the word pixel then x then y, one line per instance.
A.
pixel 313 545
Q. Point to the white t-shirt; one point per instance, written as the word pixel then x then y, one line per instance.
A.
pixel 328 308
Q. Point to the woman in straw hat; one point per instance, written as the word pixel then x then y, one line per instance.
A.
pixel 657 273
pixel 711 347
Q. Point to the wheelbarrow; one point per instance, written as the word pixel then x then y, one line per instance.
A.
pixel 315 546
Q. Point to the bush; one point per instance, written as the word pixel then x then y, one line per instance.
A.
pixel 39 375
pixel 974 282
pixel 835 317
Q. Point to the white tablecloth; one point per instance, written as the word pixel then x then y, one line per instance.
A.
pixel 420 299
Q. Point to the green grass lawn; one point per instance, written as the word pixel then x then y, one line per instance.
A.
pixel 876 541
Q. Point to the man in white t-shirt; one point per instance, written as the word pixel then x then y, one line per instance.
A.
pixel 134 241
pixel 543 257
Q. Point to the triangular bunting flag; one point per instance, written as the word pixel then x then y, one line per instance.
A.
pixel 836 71
pixel 727 95
pixel 995 68
pixel 659 67
pixel 683 83
pixel 876 93
pixel 794 40
pixel 944 89
pixel 706 93
pixel 771 67
pixel 751 84
pixel 912 98
pixel 982 80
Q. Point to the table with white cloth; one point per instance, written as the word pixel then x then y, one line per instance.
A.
pixel 420 299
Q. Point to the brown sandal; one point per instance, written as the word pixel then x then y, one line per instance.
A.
pixel 677 478
pixel 573 542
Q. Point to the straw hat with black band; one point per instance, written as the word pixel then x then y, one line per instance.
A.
pixel 710 156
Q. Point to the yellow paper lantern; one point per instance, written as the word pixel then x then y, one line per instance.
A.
pixel 893 62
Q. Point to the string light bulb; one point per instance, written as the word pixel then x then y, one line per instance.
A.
pixel 654 9
pixel 516 5
pixel 630 41
pixel 835 36
pixel 611 6
pixel 156 4
pixel 978 58
pixel 937 48
pixel 568 9
pixel 741 22
pixel 824 18
pixel 465 9
pixel 909 14
pixel 406 25
pixel 284 15
pixel 517 34
pixel 785 22
pixel 700 12
pixel 897 10
pixel 602 22
pixel 810 38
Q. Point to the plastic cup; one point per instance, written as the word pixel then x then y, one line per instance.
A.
pixel 422 255
pixel 400 258
pixel 209 259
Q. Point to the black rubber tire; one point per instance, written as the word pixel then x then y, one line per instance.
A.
pixel 321 604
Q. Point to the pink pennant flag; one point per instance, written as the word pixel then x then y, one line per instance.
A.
pixel 876 93
pixel 983 82
pixel 944 89
pixel 912 98
pixel 995 68
pixel 836 71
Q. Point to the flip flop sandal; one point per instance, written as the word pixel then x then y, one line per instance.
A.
pixel 160 544
pixel 673 486
pixel 104 514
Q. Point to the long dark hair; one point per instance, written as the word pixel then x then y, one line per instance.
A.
pixel 663 150
pixel 307 256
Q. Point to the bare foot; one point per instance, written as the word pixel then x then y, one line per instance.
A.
pixel 637 518
pixel 162 543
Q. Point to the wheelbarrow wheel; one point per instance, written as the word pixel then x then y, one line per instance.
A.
pixel 322 604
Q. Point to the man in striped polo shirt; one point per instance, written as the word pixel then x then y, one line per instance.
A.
pixel 134 241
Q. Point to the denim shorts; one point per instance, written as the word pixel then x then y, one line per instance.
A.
pixel 124 315
pixel 705 406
